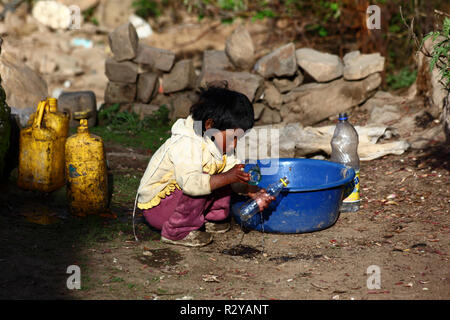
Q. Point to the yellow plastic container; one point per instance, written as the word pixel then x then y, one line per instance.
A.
pixel 41 150
pixel 86 171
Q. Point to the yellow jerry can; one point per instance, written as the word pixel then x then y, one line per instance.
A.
pixel 86 171
pixel 41 149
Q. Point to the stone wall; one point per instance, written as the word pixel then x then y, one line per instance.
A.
pixel 287 85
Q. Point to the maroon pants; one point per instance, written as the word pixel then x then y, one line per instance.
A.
pixel 178 214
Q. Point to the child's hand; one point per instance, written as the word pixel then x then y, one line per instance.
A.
pixel 236 174
pixel 262 198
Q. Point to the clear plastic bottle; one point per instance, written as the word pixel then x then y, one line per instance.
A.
pixel 251 207
pixel 344 150
pixel 255 175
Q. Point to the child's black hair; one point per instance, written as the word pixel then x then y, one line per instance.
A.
pixel 227 108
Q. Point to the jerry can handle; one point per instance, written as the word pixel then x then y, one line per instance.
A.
pixel 84 114
pixel 40 113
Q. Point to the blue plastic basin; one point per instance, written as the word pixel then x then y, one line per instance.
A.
pixel 310 202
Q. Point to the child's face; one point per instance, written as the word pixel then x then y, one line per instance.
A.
pixel 226 140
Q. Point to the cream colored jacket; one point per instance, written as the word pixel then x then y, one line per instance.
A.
pixel 185 161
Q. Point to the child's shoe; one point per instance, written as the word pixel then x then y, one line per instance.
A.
pixel 195 238
pixel 217 227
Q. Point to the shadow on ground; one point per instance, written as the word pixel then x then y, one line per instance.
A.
pixel 39 240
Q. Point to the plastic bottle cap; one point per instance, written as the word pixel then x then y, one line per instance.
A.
pixel 83 128
pixel 343 116
pixel 284 183
pixel 53 104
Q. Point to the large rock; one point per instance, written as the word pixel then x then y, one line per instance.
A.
pixel 312 140
pixel 429 85
pixel 384 115
pixel 239 48
pixel 19 22
pixel 287 84
pixel 156 58
pixel 216 59
pixel 272 96
pixel 125 71
pixel 293 140
pixel 269 116
pixel 144 110
pixel 52 14
pixel 123 42
pixel 313 102
pixel 71 102
pixel 180 104
pixel 147 86
pixel 279 63
pixel 424 139
pixel 269 141
pixel 258 143
pixel 323 67
pixel 358 66
pixel 113 13
pixel 119 92
pixel 23 86
pixel 182 76
pixel 51 61
pixel 249 84
pixel 289 135
pixel 382 98
pixel 82 4
pixel 164 100
pixel 258 109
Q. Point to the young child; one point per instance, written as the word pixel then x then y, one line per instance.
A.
pixel 189 180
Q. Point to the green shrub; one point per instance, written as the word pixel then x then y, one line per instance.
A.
pixel 232 5
pixel 267 13
pixel 126 128
pixel 440 55
pixel 146 8
pixel 402 79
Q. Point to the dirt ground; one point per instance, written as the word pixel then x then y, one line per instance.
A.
pixel 402 227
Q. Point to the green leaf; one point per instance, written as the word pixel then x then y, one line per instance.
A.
pixel 435 35
pixel 264 14
pixel 323 32
pixel 446 27
pixel 227 20
pixel 334 6
pixel 394 28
